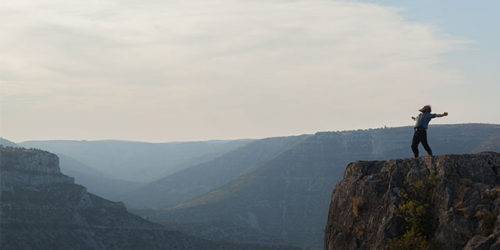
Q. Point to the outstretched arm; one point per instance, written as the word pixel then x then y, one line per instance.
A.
pixel 441 115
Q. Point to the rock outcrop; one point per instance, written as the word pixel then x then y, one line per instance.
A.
pixel 441 202
pixel 43 209
pixel 30 168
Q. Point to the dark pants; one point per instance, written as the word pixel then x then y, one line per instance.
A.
pixel 420 136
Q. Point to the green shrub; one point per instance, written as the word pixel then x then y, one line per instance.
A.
pixel 409 241
pixel 416 211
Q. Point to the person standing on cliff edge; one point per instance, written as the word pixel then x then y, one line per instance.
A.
pixel 421 124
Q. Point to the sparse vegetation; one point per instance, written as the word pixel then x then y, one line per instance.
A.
pixel 494 193
pixel 19 149
pixel 488 219
pixel 416 211
pixel 360 230
pixel 459 207
pixel 357 202
pixel 409 241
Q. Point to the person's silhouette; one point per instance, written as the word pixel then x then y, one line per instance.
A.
pixel 421 124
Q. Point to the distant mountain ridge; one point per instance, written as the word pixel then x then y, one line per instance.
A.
pixel 7 143
pixel 279 187
pixel 288 195
pixel 96 181
pixel 137 161
pixel 114 168
pixel 43 209
pixel 202 178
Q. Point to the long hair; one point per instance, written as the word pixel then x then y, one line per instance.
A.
pixel 426 109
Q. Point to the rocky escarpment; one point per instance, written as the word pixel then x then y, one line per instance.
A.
pixel 442 202
pixel 43 209
pixel 30 168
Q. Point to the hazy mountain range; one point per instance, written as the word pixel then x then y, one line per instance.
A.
pixel 288 196
pixel 112 169
pixel 137 161
pixel 202 178
pixel 43 209
pixel 266 190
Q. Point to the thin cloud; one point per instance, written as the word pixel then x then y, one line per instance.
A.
pixel 212 69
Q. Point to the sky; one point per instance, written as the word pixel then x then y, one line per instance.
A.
pixel 173 70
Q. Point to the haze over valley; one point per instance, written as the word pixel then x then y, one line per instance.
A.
pixel 249 125
pixel 264 191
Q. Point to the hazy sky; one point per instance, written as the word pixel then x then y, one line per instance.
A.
pixel 173 70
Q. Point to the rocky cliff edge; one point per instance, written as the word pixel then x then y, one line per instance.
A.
pixel 440 202
pixel 29 168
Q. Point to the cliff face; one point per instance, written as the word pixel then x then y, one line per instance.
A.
pixel 43 209
pixel 29 168
pixel 442 202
